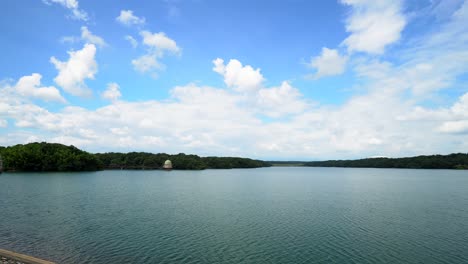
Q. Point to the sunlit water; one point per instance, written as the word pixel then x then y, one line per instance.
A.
pixel 268 215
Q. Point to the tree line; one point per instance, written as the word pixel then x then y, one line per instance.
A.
pixel 451 161
pixel 181 161
pixel 57 157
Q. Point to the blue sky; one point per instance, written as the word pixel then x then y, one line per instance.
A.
pixel 284 80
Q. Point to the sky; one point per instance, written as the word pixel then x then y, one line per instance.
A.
pixel 275 80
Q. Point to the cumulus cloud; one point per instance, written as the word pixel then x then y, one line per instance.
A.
pixel 195 119
pixel 30 86
pixel 127 18
pixel 280 101
pixel 86 36
pixel 451 120
pixel 132 41
pixel 71 5
pixel 268 101
pixel 448 120
pixel 460 108
pixel 159 42
pixel 215 121
pixel 373 25
pixel 240 78
pixel 328 63
pixel 89 37
pixel 147 63
pixel 158 46
pixel 72 73
pixel 112 92
pixel 455 127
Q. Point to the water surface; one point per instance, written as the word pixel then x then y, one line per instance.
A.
pixel 268 215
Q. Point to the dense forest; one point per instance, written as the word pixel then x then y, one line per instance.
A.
pixel 452 161
pixel 57 157
pixel 181 161
pixel 48 157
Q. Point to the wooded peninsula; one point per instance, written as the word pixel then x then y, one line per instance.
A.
pixel 57 157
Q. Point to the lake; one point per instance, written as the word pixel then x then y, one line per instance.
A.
pixel 267 215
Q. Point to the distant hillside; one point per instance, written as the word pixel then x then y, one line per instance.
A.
pixel 57 157
pixel 452 161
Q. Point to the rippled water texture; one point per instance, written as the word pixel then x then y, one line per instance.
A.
pixel 270 215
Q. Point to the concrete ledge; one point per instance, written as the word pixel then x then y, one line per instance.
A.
pixel 23 258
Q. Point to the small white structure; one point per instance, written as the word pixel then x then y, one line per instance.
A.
pixel 167 165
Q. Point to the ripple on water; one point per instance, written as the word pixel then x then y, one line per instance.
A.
pixel 302 215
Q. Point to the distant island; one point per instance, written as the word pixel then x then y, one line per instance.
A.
pixel 57 157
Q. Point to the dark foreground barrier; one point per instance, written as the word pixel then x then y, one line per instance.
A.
pixel 6 256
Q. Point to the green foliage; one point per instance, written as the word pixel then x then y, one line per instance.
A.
pixel 181 161
pixel 452 161
pixel 56 157
pixel 48 157
pixel 132 160
pixel 233 162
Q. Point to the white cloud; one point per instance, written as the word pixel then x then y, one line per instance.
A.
pixel 3 123
pixel 132 41
pixel 213 121
pixel 72 73
pixel 240 78
pixel 280 101
pixel 216 121
pixel 328 63
pixel 449 120
pixel 147 63
pixel 127 18
pixel 30 86
pixel 159 42
pixel 195 119
pixel 219 66
pixel 88 37
pixel 460 108
pixel 72 5
pixel 120 131
pixel 460 126
pixel 158 45
pixel 373 25
pixel 112 92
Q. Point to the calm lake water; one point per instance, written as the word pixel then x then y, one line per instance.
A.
pixel 268 215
